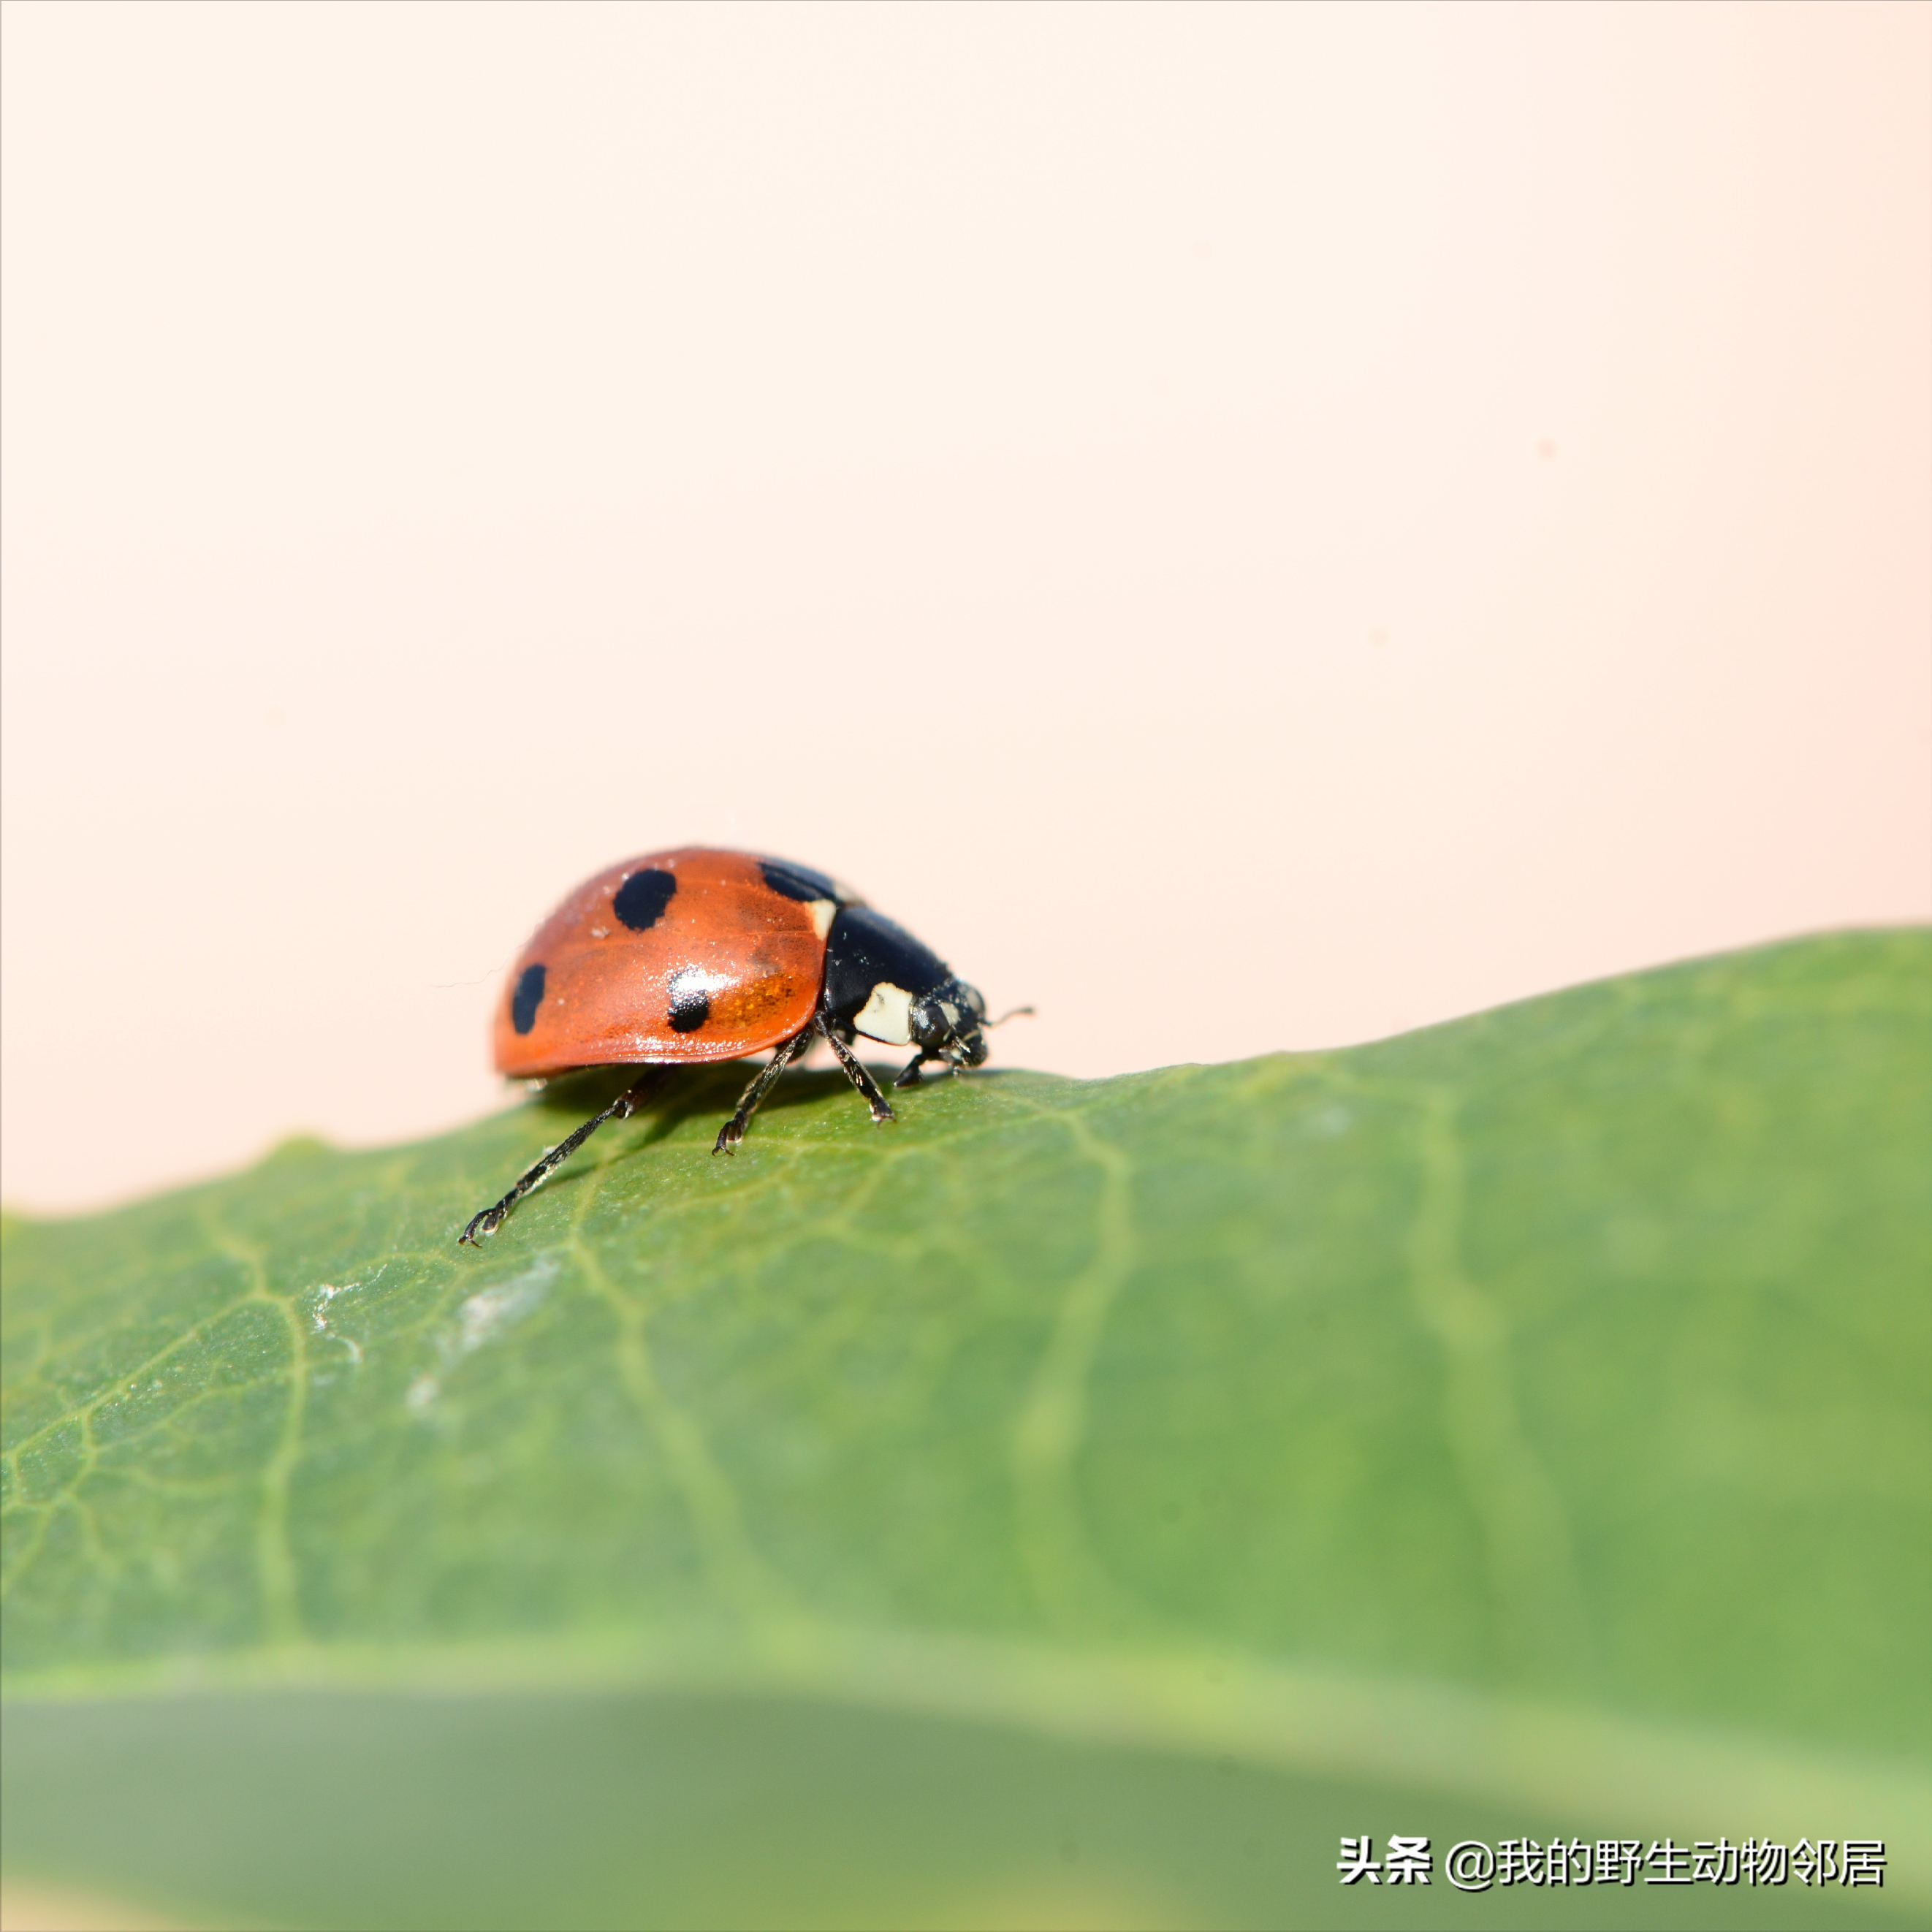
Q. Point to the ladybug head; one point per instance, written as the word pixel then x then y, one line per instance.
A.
pixel 946 1023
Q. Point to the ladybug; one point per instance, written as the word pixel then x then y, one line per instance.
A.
pixel 694 955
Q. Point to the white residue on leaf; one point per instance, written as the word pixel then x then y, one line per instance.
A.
pixel 480 1318
pixel 325 1293
pixel 491 1308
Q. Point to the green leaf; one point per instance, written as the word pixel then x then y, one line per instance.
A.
pixel 1078 1504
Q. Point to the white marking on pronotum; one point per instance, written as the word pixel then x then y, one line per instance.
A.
pixel 886 1015
pixel 823 912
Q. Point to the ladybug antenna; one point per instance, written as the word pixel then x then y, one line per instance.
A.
pixel 1012 1013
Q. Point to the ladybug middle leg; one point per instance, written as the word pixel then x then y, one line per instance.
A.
pixel 881 1107
pixel 626 1104
pixel 732 1131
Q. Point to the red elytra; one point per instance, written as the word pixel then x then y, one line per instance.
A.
pixel 613 967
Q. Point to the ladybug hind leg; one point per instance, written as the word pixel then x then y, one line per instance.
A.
pixel 732 1131
pixel 626 1104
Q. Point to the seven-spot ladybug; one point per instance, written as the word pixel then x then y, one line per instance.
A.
pixel 696 955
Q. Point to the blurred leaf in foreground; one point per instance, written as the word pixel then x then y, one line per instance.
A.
pixel 1077 1505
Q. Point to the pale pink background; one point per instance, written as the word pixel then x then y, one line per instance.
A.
pixel 1249 527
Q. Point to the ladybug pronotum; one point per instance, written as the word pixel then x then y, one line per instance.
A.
pixel 694 955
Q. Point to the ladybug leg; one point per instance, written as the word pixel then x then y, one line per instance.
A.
pixel 626 1104
pixel 732 1131
pixel 911 1077
pixel 859 1078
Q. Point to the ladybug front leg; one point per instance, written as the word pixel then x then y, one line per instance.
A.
pixel 881 1109
pixel 912 1077
pixel 732 1131
pixel 621 1108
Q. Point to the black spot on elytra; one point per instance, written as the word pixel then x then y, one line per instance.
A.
pixel 690 1003
pixel 641 899
pixel 525 1000
pixel 796 882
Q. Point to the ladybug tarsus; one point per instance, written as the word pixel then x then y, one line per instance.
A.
pixel 732 1131
pixel 626 1104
